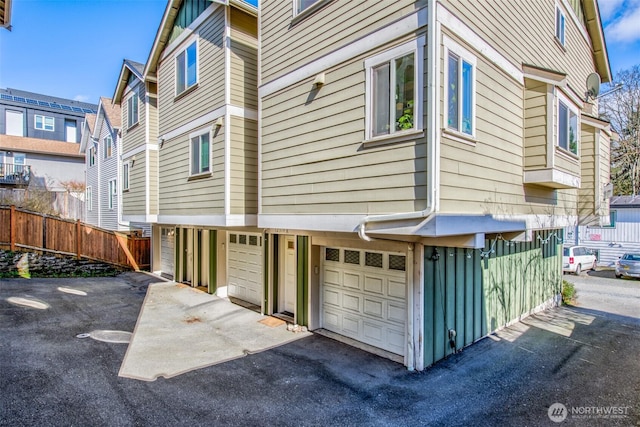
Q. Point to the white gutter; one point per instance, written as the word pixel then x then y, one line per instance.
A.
pixel 432 133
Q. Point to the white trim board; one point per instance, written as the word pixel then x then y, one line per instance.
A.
pixel 209 220
pixel 209 117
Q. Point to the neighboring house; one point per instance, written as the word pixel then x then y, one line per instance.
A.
pixel 39 163
pixel 40 116
pixel 101 147
pixel 418 161
pixel 139 138
pixel 611 241
pixel 203 65
pixel 5 14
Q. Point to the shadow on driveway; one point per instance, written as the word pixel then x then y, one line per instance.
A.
pixel 580 358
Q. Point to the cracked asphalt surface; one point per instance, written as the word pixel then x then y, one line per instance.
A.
pixel 582 357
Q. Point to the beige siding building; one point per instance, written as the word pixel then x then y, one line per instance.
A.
pixel 408 143
pixel 204 64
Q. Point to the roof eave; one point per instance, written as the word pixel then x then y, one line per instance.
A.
pixel 594 27
pixel 162 35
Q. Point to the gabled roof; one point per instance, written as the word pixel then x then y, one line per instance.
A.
pixel 128 67
pixel 86 132
pixel 5 14
pixel 166 27
pixel 596 33
pixel 111 111
pixel 42 146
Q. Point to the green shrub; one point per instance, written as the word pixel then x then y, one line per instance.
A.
pixel 569 294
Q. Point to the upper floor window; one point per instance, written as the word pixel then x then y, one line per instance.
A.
pixel 200 153
pixel 393 90
pixel 113 191
pixel 44 123
pixel 125 176
pixel 568 130
pixel 132 109
pixel 108 146
pixel 187 68
pixel 459 89
pixel 560 25
pixel 92 156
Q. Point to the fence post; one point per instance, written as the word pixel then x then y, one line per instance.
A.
pixel 12 228
pixel 78 239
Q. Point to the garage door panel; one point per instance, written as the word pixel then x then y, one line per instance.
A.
pixel 351 302
pixel 364 297
pixel 396 313
pixel 351 280
pixel 373 307
pixel 351 325
pixel 374 284
pixel 332 297
pixel 397 289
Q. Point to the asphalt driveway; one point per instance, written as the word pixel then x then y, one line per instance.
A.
pixel 584 358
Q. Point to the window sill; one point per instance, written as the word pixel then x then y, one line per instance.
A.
pixel 199 176
pixel 567 154
pixel 393 138
pixel 309 11
pixel 126 190
pixel 133 126
pixel 559 43
pixel 185 92
pixel 459 136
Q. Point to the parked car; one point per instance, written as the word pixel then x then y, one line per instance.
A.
pixel 628 265
pixel 578 258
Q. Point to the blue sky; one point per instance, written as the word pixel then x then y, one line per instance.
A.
pixel 74 48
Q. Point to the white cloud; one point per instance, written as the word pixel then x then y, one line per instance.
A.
pixel 625 29
pixel 81 98
pixel 608 8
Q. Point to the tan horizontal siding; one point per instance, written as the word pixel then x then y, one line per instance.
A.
pixel 153 182
pixel 535 124
pixel 134 200
pixel 524 32
pixel 209 93
pixel 181 196
pixel 244 75
pixel 244 166
pixel 335 25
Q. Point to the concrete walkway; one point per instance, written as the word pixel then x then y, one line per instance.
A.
pixel 181 329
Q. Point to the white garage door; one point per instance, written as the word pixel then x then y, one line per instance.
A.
pixel 364 296
pixel 167 251
pixel 245 267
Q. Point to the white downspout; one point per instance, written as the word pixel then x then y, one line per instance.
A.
pixel 431 131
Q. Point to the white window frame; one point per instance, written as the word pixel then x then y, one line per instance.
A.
pixel 126 175
pixel 313 6
pixel 51 127
pixel 560 26
pixel 464 55
pixel 89 197
pixel 107 148
pixel 131 102
pixel 572 109
pixel 416 47
pixel 113 191
pixel 92 156
pixel 186 46
pixel 192 137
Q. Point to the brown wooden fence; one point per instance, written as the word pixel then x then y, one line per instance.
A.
pixel 20 229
